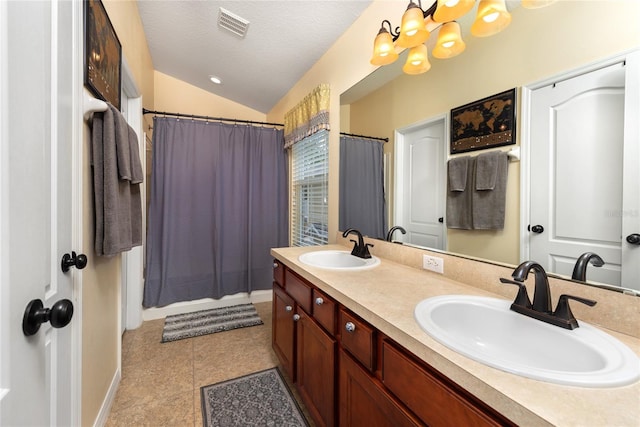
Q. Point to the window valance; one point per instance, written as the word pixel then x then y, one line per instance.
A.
pixel 308 117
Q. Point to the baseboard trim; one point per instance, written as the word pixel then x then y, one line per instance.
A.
pixel 205 304
pixel 110 397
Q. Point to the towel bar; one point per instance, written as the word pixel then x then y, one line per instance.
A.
pixel 91 105
pixel 514 154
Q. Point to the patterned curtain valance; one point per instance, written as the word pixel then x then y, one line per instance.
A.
pixel 308 117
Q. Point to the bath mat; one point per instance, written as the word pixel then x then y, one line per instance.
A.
pixel 258 399
pixel 205 322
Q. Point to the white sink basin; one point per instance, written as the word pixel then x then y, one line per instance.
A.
pixel 486 330
pixel 338 260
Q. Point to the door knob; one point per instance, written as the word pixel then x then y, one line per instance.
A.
pixel 35 315
pixel 536 229
pixel 73 260
pixel 634 239
pixel 441 220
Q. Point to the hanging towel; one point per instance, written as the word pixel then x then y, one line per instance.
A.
pixel 118 204
pixel 137 175
pixel 489 192
pixel 457 173
pixel 460 173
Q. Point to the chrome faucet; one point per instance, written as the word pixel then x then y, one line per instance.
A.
pixel 541 308
pixel 360 249
pixel 392 230
pixel 580 269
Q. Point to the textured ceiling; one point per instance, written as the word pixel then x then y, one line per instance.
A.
pixel 284 39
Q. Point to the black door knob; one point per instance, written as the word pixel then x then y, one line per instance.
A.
pixel 35 315
pixel 536 229
pixel 73 260
pixel 634 239
pixel 441 220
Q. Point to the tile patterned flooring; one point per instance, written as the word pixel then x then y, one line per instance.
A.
pixel 161 382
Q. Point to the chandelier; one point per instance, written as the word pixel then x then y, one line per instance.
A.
pixel 417 24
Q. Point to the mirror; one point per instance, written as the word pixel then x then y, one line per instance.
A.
pixel 388 100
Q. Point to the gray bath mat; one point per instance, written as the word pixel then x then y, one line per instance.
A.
pixel 258 399
pixel 205 322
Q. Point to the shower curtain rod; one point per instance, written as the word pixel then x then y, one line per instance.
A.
pixel 365 136
pixel 215 119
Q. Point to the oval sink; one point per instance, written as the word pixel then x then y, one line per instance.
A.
pixel 338 260
pixel 486 330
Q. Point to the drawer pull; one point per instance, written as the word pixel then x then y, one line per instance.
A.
pixel 350 327
pixel 288 308
pixel 296 317
pixel 319 301
pixel 275 265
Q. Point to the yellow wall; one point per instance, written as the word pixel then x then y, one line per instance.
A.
pixel 176 96
pixel 538 44
pixel 101 277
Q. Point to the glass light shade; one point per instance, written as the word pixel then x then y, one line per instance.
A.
pixel 449 42
pixel 450 10
pixel 492 18
pixel 536 4
pixel 413 30
pixel 384 53
pixel 417 61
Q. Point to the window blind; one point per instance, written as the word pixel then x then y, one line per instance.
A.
pixel 310 171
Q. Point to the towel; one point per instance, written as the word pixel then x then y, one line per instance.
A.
pixel 489 192
pixel 457 173
pixel 459 201
pixel 487 170
pixel 117 201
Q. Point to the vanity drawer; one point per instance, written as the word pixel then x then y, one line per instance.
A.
pixel 324 311
pixel 429 397
pixel 278 272
pixel 299 290
pixel 358 338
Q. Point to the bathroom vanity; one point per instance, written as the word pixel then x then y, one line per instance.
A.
pixel 350 343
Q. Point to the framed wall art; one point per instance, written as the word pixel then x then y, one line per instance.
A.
pixel 488 122
pixel 103 54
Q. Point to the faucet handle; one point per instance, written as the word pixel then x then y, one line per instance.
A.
pixel 522 298
pixel 563 311
pixel 354 251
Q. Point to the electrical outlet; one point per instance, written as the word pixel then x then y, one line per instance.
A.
pixel 433 263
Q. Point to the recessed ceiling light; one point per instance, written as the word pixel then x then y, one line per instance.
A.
pixel 215 80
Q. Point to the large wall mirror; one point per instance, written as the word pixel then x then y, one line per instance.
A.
pixel 556 41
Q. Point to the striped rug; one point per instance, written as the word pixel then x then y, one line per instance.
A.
pixel 205 322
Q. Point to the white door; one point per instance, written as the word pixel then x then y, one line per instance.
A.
pixel 420 185
pixel 579 192
pixel 36 122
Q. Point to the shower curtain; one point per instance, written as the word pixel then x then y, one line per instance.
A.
pixel 362 199
pixel 218 204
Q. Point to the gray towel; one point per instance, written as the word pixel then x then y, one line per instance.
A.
pixel 457 173
pixel 487 170
pixel 489 194
pixel 137 176
pixel 118 204
pixel 123 151
pixel 459 213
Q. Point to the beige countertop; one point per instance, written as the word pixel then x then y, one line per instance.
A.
pixel 386 296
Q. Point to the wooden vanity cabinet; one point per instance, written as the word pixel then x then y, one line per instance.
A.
pixel 305 345
pixel 350 374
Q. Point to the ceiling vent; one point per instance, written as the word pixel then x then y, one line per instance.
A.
pixel 232 22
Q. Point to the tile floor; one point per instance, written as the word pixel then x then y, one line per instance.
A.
pixel 161 382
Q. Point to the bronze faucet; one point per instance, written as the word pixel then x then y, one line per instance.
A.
pixel 541 308
pixel 360 249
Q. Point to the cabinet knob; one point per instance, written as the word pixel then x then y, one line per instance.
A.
pixel 350 327
pixel 288 308
pixel 319 301
pixel 275 265
pixel 296 317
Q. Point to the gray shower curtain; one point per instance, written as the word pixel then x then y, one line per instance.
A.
pixel 218 204
pixel 362 199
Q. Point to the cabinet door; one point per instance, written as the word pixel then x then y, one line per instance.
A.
pixel 316 355
pixel 283 332
pixel 364 403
